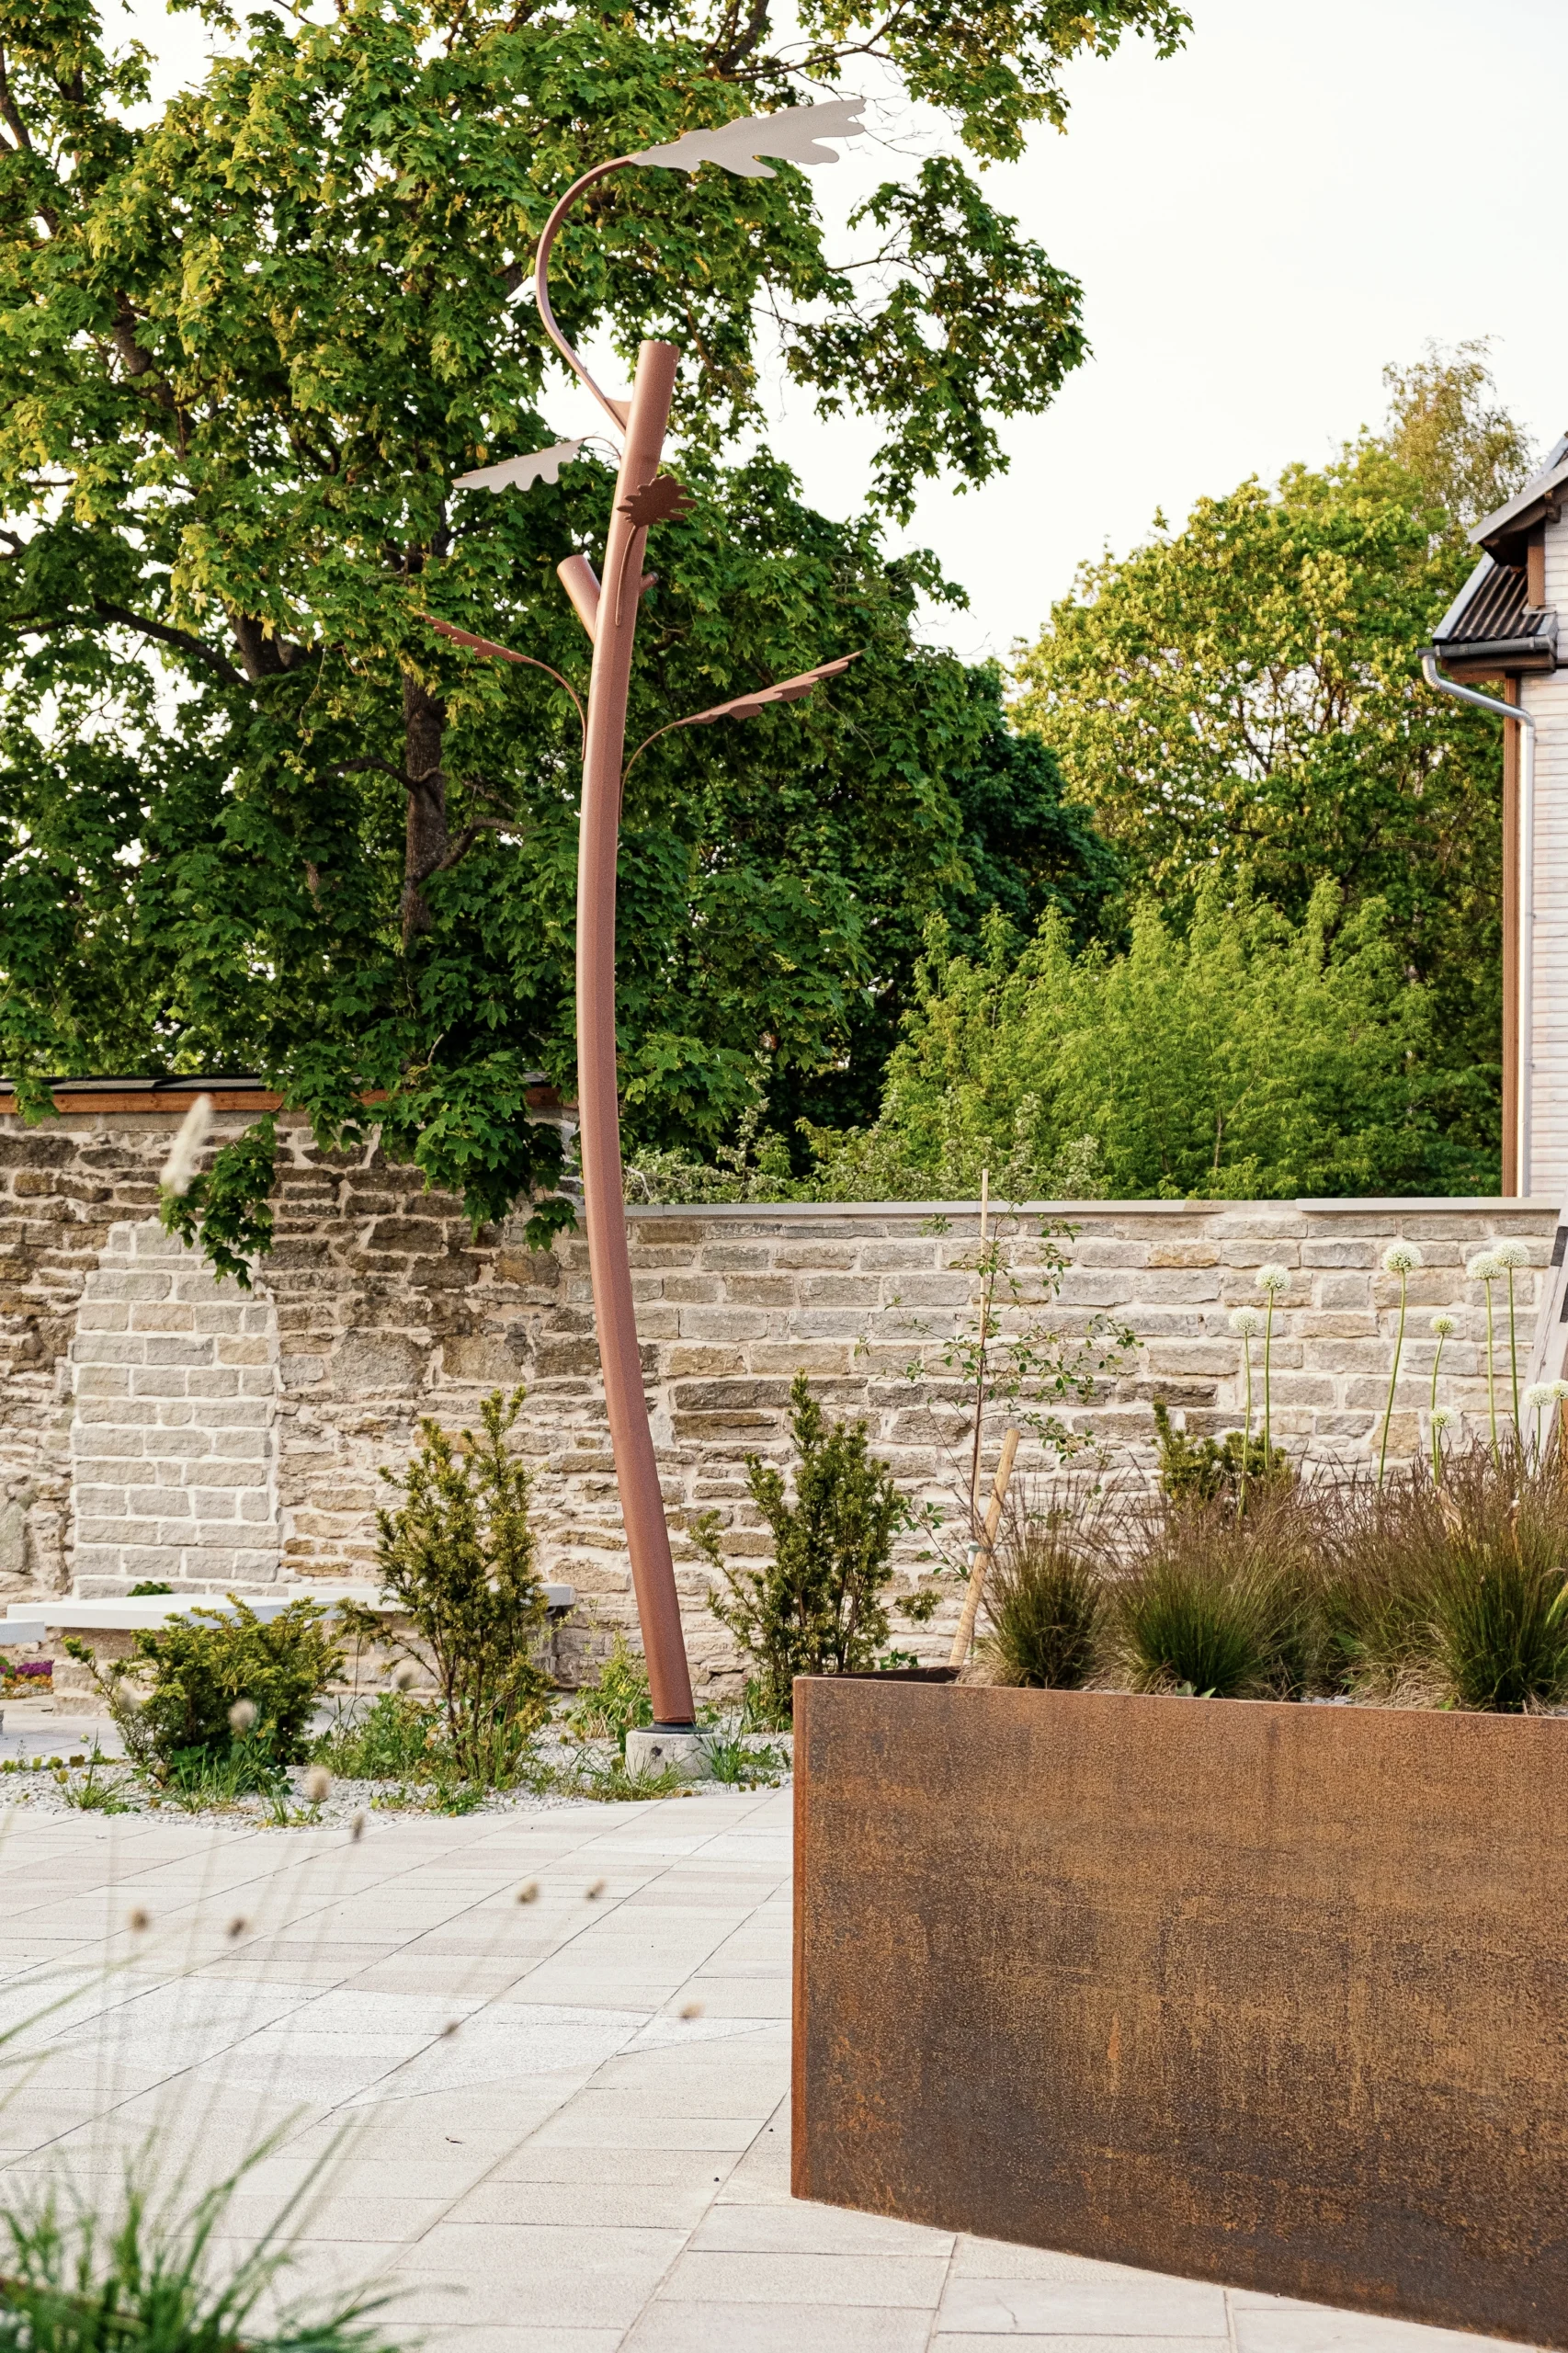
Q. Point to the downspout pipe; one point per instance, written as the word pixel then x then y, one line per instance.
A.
pixel 1525 725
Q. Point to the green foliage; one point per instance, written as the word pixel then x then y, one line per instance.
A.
pixel 1250 1058
pixel 1045 1599
pixel 81 2280
pixel 1455 1591
pixel 734 1764
pixel 817 1607
pixel 1206 1470
pixel 226 1208
pixel 253 812
pixel 175 1698
pixel 393 1740
pixel 1240 703
pixel 1010 1357
pixel 618 1702
pixel 1220 1604
pixel 457 1558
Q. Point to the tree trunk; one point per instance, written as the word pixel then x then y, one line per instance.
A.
pixel 424 722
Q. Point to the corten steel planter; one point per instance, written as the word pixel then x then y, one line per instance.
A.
pixel 1269 1995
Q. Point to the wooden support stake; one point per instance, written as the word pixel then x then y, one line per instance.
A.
pixel 965 1634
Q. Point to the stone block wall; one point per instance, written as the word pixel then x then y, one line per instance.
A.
pixel 173 1445
pixel 379 1306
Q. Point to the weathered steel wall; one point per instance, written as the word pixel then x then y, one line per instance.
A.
pixel 1271 1994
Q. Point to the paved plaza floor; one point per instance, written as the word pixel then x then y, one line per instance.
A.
pixel 566 2118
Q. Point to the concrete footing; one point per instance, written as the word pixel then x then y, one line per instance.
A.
pixel 656 1751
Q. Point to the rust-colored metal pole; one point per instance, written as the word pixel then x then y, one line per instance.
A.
pixel 637 1472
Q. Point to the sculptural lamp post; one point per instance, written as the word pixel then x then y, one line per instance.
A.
pixel 607 611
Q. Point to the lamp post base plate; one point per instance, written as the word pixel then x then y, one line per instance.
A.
pixel 658 1751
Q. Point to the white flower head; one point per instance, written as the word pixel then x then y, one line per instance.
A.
pixel 1511 1254
pixel 185 1154
pixel 1442 1323
pixel 1539 1393
pixel 242 1717
pixel 1443 1417
pixel 1557 1391
pixel 1484 1267
pixel 318 1785
pixel 1401 1259
pixel 1246 1323
pixel 1272 1281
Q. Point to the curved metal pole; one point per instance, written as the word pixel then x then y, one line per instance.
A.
pixel 636 1470
pixel 1525 725
pixel 641 427
pixel 615 409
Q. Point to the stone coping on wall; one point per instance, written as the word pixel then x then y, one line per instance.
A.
pixel 1383 1207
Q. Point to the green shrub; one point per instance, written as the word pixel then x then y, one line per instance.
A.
pixel 1223 1604
pixel 1046 1601
pixel 817 1607
pixel 1453 1592
pixel 176 1696
pixel 1501 1631
pixel 458 1561
pixel 1206 1470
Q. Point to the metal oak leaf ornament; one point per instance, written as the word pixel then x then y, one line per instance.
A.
pixel 521 473
pixel 791 136
pixel 663 500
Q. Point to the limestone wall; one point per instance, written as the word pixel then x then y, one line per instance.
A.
pixel 259 1425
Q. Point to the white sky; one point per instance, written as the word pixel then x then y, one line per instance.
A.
pixel 1260 224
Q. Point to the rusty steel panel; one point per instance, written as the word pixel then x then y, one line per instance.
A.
pixel 1269 1995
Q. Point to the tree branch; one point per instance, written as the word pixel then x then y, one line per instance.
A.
pixel 461 844
pixel 180 639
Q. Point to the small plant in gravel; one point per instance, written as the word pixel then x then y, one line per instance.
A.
pixel 818 1606
pixel 457 1559
pixel 618 1702
pixel 218 1699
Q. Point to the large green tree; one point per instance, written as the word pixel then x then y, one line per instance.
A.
pixel 251 811
pixel 1240 701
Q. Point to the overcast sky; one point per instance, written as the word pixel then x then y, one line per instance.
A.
pixel 1259 225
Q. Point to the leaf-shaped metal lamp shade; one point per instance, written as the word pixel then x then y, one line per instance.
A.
pixel 521 473
pixel 786 690
pixel 792 136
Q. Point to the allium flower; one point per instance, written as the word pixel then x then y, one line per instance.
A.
pixel 318 1785
pixel 1543 1392
pixel 1272 1281
pixel 1401 1259
pixel 1246 1323
pixel 1511 1254
pixel 242 1717
pixel 1484 1267
pixel 184 1152
pixel 1443 1417
pixel 1557 1391
pixel 1442 1323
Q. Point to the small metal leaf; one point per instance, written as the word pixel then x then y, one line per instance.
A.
pixel 663 500
pixel 786 690
pixel 521 473
pixel 792 135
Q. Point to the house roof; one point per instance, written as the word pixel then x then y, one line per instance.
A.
pixel 1491 619
pixel 1503 533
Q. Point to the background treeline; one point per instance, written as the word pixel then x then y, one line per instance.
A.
pixel 1281 972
